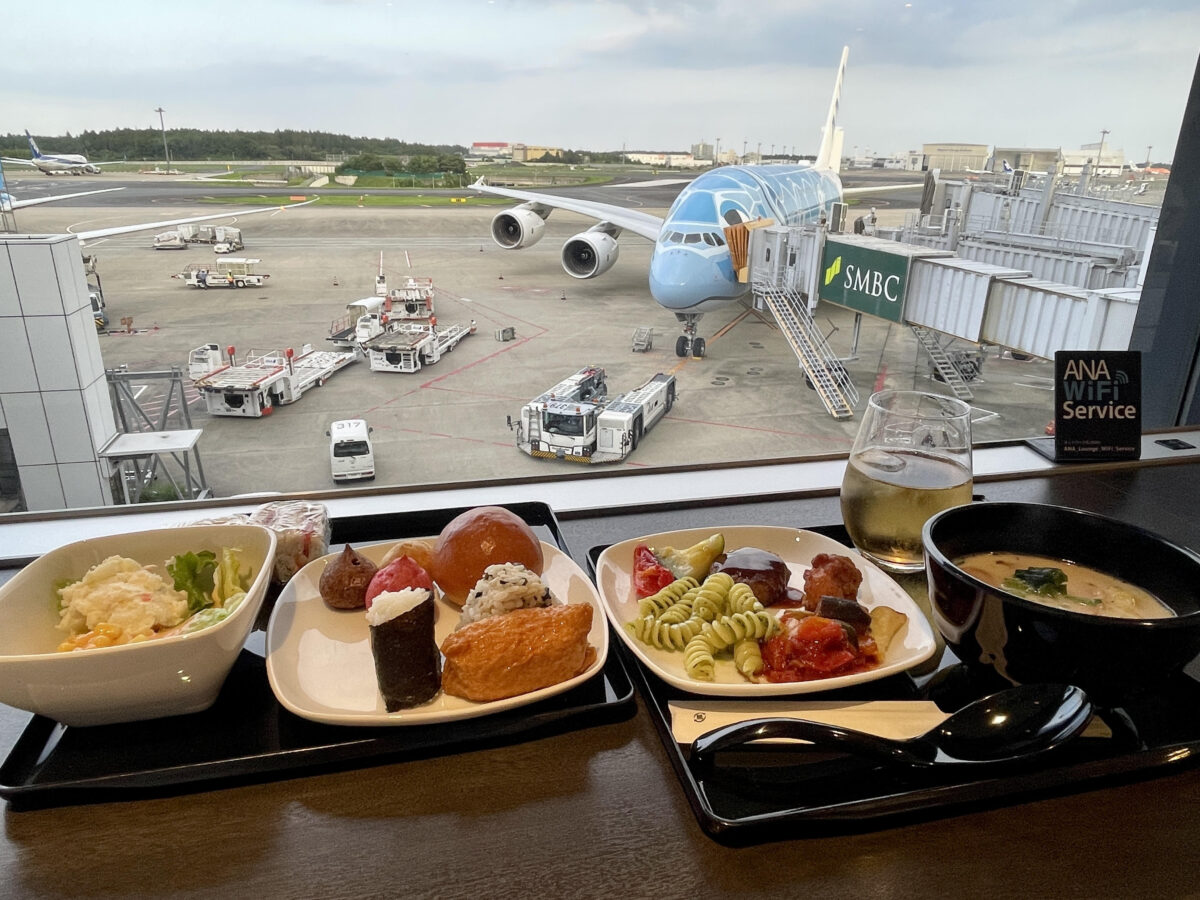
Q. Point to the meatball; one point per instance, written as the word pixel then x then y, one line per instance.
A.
pixel 831 575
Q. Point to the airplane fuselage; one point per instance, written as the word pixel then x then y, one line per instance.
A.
pixel 71 162
pixel 690 268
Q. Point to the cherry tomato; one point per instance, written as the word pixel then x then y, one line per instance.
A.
pixel 649 575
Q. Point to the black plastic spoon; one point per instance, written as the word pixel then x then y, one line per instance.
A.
pixel 1004 727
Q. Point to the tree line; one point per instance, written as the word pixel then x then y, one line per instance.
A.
pixel 357 153
pixel 146 145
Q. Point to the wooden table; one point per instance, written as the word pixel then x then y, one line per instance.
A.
pixel 598 812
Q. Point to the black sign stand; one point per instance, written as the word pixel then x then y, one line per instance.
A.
pixel 1097 407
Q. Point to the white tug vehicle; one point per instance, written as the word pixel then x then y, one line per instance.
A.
pixel 576 420
pixel 264 380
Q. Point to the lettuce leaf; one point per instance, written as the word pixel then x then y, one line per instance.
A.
pixel 228 580
pixel 194 574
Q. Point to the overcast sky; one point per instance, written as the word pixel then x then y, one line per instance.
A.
pixel 605 74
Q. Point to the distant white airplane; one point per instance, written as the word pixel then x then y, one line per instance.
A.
pixel 691 271
pixel 55 163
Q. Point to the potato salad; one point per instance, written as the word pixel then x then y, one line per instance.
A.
pixel 121 601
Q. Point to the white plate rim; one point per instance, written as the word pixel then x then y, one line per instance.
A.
pixel 914 643
pixel 449 709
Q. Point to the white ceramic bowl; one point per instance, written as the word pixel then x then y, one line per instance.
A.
pixel 160 677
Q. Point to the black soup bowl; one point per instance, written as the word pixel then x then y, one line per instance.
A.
pixel 1026 642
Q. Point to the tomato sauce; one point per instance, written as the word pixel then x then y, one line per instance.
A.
pixel 814 647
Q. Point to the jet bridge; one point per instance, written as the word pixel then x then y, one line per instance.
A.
pixel 942 297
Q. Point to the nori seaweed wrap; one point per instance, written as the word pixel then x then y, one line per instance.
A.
pixel 408 664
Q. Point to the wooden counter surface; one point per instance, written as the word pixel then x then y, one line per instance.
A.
pixel 598 812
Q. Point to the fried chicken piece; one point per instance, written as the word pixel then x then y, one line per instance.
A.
pixel 831 575
pixel 517 652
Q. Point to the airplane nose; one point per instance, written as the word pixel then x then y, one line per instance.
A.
pixel 680 279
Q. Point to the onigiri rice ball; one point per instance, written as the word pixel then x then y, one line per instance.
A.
pixel 502 589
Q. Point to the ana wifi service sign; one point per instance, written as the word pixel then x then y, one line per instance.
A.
pixel 1097 404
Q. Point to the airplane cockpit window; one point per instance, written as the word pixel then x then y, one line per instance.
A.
pixel 708 239
pixel 692 239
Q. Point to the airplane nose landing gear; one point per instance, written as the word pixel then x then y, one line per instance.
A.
pixel 688 344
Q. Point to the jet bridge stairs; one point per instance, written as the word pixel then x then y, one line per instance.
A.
pixel 825 371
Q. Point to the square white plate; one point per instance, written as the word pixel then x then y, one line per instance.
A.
pixel 319 659
pixel 913 644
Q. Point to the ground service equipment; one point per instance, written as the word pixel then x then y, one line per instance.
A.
pixel 265 379
pixel 576 421
pixel 229 271
pixel 406 346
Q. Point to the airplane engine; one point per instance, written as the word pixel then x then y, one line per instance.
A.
pixel 589 254
pixel 518 227
pixel 92 170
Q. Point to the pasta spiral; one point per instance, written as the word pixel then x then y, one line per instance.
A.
pixel 747 656
pixel 710 597
pixel 656 604
pixel 665 635
pixel 742 599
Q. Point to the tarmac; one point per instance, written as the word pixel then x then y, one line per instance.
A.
pixel 449 423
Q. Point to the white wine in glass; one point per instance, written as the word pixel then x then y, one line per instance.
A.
pixel 910 460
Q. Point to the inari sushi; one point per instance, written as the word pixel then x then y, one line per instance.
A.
pixel 408 665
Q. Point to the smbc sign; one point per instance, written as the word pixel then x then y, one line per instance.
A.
pixel 863 279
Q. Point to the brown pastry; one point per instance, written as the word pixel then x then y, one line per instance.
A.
pixel 343 583
pixel 521 651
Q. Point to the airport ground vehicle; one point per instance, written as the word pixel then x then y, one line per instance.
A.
pixel 576 420
pixel 200 233
pixel 169 240
pixel 372 316
pixel 264 380
pixel 96 296
pixel 229 271
pixel 412 300
pixel 364 319
pixel 351 455
pixel 406 346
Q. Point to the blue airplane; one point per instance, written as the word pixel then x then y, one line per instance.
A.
pixel 691 270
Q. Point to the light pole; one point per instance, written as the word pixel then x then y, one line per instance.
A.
pixel 717 153
pixel 166 152
pixel 1100 153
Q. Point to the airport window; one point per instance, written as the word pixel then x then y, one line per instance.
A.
pixel 430 424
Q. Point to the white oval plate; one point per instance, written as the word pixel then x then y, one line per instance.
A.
pixel 913 644
pixel 319 659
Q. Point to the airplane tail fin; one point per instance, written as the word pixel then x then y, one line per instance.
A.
pixel 33 147
pixel 829 156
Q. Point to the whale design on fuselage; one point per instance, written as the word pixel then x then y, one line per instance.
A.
pixel 691 269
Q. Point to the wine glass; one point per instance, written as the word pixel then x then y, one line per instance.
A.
pixel 910 459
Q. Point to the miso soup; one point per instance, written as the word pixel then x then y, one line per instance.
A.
pixel 1064 585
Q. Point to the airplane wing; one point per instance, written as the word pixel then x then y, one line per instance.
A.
pixel 167 223
pixel 18 204
pixel 17 162
pixel 640 223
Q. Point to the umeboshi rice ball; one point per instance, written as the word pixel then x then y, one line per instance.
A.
pixel 478 538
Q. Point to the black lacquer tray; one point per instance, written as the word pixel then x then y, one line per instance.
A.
pixel 247 736
pixel 773 791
